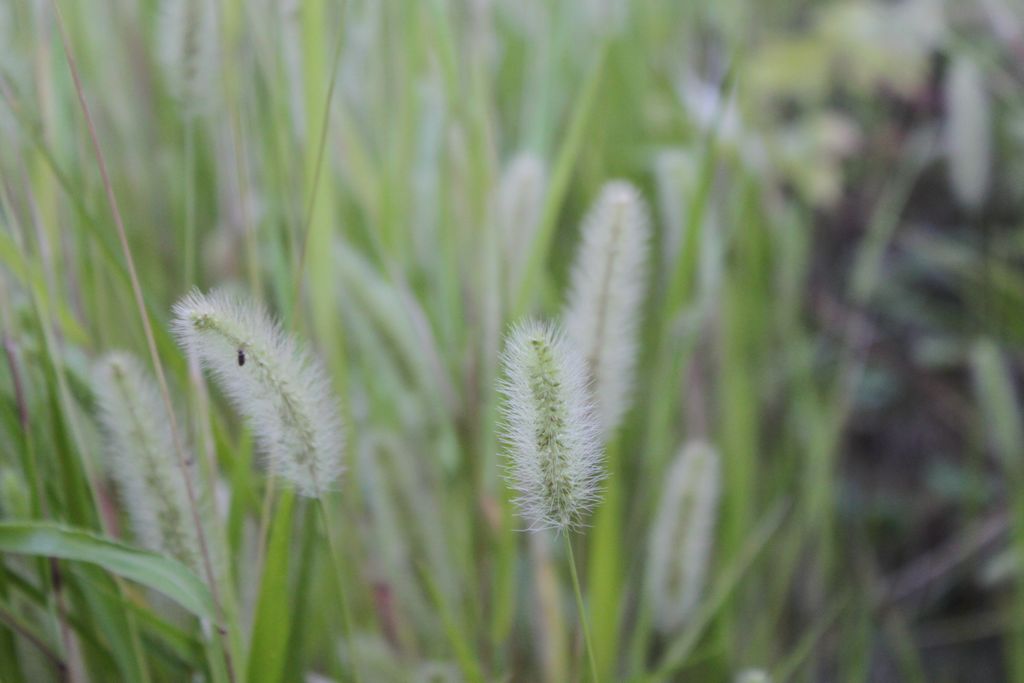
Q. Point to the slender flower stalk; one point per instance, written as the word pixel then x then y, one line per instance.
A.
pixel 581 609
pixel 148 329
pixel 681 537
pixel 280 388
pixel 608 282
pixel 555 456
pixel 142 458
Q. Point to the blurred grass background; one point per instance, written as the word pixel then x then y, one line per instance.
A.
pixel 835 303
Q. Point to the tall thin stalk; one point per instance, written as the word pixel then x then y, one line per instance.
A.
pixel 346 614
pixel 584 624
pixel 150 339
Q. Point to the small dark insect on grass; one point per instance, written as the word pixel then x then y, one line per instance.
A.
pixel 241 357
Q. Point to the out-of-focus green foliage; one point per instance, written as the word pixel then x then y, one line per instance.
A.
pixel 836 196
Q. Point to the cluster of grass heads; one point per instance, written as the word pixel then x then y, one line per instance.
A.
pixel 461 256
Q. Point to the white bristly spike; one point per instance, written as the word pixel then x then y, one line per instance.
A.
pixel 550 429
pixel 681 536
pixel 281 388
pixel 142 457
pixel 753 676
pixel 188 43
pixel 608 282
pixel 968 132
pixel 517 207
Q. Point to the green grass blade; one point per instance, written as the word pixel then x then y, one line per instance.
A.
pixel 463 652
pixel 271 624
pixel 45 539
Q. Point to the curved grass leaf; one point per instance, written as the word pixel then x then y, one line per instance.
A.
pixel 46 539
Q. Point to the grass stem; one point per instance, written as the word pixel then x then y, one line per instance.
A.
pixel 582 610
pixel 150 339
pixel 346 614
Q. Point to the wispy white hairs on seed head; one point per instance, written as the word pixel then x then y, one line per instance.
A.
pixel 609 277
pixel 968 132
pixel 517 207
pixel 143 458
pixel 680 542
pixel 550 429
pixel 188 46
pixel 281 389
